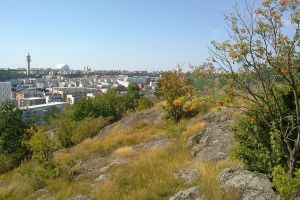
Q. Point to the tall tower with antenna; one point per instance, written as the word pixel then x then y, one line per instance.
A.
pixel 178 69
pixel 28 64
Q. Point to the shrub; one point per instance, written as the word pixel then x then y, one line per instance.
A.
pixel 39 175
pixel 175 88
pixel 286 186
pixel 63 131
pixel 12 136
pixel 6 163
pixel 144 103
pixel 42 147
pixel 260 148
pixel 87 128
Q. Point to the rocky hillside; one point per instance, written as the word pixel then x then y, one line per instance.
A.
pixel 144 157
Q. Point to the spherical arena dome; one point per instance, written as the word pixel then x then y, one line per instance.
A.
pixel 63 67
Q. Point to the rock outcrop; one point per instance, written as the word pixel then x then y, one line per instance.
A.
pixel 152 144
pixel 95 167
pixel 214 141
pixel 247 185
pixel 80 197
pixel 188 194
pixel 187 175
pixel 150 116
pixel 103 177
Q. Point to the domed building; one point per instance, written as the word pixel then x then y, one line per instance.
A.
pixel 63 67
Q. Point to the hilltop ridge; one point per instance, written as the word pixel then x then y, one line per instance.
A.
pixel 143 156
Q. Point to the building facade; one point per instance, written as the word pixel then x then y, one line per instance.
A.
pixel 5 91
pixel 31 101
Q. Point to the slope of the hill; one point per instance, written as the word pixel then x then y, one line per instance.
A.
pixel 143 156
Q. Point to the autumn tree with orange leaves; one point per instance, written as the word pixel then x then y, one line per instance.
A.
pixel 175 88
pixel 262 59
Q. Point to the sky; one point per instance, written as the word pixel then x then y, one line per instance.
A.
pixel 110 34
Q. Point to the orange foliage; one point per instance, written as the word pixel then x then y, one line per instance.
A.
pixel 232 54
pixel 177 102
pixel 283 2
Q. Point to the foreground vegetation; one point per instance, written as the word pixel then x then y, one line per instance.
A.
pixel 148 175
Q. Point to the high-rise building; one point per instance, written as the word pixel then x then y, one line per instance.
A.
pixel 28 64
pixel 5 91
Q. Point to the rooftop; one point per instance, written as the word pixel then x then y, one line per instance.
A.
pixel 44 105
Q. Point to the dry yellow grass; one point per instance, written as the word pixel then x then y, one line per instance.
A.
pixel 18 186
pixel 150 176
pixel 194 128
pixel 118 137
pixel 64 190
pixel 209 179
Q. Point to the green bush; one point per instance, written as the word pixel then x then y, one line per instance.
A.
pixel 13 133
pixel 87 128
pixel 42 147
pixel 286 186
pixel 64 128
pixel 6 163
pixel 144 103
pixel 39 175
pixel 42 167
pixel 260 148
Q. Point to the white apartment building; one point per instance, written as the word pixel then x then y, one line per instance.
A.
pixel 5 91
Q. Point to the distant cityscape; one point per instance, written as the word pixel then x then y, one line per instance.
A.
pixel 43 89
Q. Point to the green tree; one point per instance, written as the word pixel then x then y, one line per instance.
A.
pixel 42 147
pixel 108 105
pixel 262 61
pixel 84 108
pixel 132 97
pixel 12 136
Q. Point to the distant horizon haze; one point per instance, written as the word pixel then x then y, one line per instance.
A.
pixel 147 35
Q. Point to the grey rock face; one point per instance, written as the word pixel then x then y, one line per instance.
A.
pixel 152 144
pixel 150 116
pixel 215 140
pixel 189 194
pixel 80 197
pixel 187 175
pixel 102 177
pixel 247 185
pixel 218 116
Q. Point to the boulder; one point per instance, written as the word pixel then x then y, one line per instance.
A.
pixel 247 185
pixel 187 175
pixel 188 194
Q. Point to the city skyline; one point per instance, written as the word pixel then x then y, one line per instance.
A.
pixel 133 35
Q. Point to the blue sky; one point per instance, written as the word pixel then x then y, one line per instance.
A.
pixel 111 34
